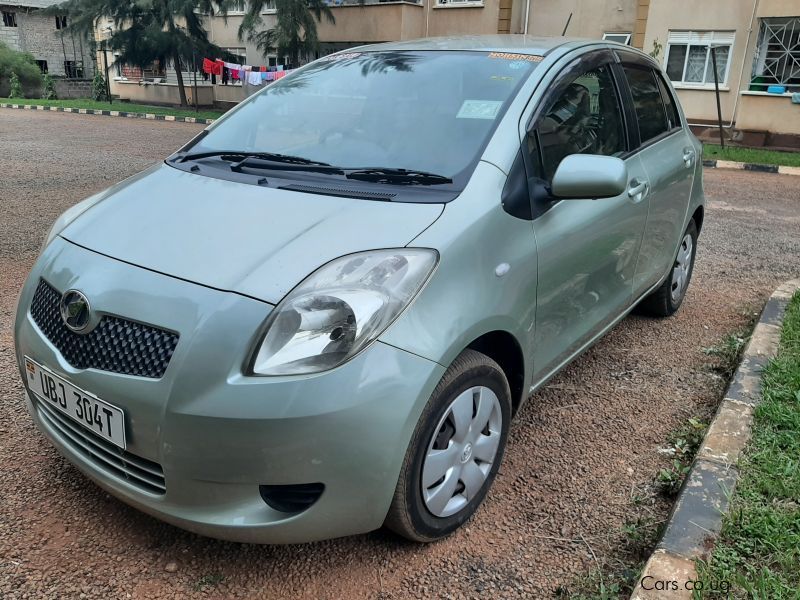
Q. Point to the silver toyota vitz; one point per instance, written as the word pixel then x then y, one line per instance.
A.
pixel 321 314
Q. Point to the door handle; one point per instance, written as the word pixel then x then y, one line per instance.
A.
pixel 688 157
pixel 637 190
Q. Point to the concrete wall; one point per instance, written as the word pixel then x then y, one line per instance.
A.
pixel 452 19
pixel 590 18
pixel 161 93
pixel 73 88
pixel 385 22
pixel 37 34
pixel 759 111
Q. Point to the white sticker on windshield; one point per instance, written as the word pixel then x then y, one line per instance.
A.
pixel 479 109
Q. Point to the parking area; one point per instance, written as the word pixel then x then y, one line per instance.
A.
pixel 580 452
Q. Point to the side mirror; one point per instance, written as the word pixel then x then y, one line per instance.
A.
pixel 589 176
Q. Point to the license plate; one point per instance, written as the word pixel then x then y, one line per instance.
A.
pixel 105 420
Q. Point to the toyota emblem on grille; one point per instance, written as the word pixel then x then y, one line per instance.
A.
pixel 75 310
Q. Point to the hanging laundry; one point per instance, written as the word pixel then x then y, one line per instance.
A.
pixel 254 78
pixel 212 67
pixel 279 74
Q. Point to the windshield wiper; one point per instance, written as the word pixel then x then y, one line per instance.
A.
pixel 245 155
pixel 397 176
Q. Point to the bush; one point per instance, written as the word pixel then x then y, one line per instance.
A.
pixel 16 88
pixel 49 89
pixel 99 87
pixel 21 64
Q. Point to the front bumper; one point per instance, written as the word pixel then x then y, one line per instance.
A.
pixel 218 434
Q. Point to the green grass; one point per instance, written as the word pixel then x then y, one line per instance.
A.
pixel 751 155
pixel 120 106
pixel 758 552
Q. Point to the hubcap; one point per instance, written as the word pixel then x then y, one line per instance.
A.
pixel 461 451
pixel 680 272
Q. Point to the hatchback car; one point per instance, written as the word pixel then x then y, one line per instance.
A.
pixel 321 314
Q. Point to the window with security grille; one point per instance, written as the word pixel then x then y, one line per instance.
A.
pixel 9 19
pixel 689 60
pixel 777 58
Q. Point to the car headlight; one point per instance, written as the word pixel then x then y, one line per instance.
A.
pixel 339 309
pixel 68 216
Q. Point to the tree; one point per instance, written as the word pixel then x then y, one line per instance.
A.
pixel 19 65
pixel 294 34
pixel 146 31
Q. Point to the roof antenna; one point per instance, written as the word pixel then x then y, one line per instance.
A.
pixel 563 33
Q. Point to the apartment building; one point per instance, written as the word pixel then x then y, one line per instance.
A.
pixel 756 44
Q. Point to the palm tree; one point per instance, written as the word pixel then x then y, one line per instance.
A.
pixel 148 30
pixel 294 34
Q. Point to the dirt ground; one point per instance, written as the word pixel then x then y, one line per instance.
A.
pixel 579 454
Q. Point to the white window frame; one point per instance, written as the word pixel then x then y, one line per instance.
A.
pixel 612 35
pixel 700 38
pixel 237 12
pixel 457 3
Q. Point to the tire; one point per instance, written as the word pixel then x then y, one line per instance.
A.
pixel 665 301
pixel 474 389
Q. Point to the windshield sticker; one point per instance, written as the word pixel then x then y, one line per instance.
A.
pixel 479 109
pixel 344 56
pixel 501 78
pixel 511 56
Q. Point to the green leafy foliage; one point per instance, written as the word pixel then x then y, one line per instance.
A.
pixel 16 87
pixel 295 32
pixel 684 444
pixel 20 66
pixel 48 88
pixel 99 87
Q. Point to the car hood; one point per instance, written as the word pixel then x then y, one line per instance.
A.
pixel 252 240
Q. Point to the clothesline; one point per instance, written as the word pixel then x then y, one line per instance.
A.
pixel 254 75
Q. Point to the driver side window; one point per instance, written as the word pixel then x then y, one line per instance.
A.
pixel 585 118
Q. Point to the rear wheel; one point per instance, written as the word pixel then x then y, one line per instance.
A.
pixel 667 299
pixel 455 451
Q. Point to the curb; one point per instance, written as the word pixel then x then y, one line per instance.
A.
pixel 112 113
pixel 729 164
pixel 696 518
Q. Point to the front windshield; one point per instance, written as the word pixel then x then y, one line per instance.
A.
pixel 429 111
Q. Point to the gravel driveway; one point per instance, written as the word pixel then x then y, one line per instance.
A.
pixel 577 453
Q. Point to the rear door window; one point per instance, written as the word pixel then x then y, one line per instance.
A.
pixel 647 101
pixel 669 102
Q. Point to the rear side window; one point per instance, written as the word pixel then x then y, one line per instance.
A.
pixel 650 110
pixel 669 102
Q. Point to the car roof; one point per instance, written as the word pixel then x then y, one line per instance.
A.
pixel 514 43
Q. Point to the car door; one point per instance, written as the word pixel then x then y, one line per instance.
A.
pixel 587 249
pixel 668 158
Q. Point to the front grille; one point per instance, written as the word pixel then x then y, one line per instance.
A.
pixel 115 345
pixel 137 471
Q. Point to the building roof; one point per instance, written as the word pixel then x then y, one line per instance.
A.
pixel 28 3
pixel 519 44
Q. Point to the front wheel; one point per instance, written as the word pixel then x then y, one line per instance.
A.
pixel 667 299
pixel 455 451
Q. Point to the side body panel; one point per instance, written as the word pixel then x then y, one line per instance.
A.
pixel 587 252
